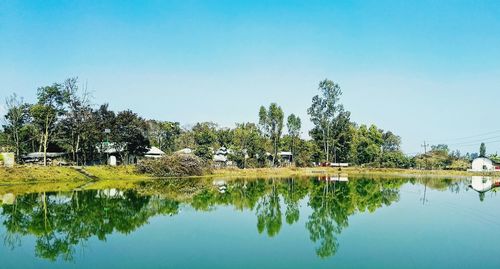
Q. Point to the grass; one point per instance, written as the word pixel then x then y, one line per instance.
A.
pixel 288 172
pixel 107 174
pixel 31 174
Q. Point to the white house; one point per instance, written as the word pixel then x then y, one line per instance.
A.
pixel 484 164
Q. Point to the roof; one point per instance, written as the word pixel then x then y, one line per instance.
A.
pixel 285 153
pixel 155 151
pixel 40 155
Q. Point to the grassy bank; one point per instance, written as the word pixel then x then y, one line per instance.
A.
pixel 34 174
pixel 31 174
pixel 288 172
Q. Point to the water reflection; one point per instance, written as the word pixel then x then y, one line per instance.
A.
pixel 63 222
pixel 483 185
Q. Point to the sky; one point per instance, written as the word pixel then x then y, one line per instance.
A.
pixel 426 70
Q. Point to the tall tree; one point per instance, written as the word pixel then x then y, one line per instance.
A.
pixel 46 112
pixel 294 124
pixel 15 120
pixel 328 115
pixel 271 121
pixel 163 134
pixel 130 134
pixel 482 150
pixel 76 116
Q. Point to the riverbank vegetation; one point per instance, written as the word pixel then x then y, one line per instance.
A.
pixel 64 120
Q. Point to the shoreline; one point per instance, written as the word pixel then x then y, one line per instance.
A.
pixel 50 174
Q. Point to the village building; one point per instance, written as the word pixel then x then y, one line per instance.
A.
pixel 285 158
pixel 155 153
pixel 484 164
pixel 221 158
pixel 53 158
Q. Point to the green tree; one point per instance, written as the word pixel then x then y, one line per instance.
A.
pixel 205 137
pixel 16 118
pixel 75 118
pixel 329 117
pixel 163 134
pixel 271 121
pixel 482 150
pixel 294 124
pixel 248 143
pixel 129 134
pixel 47 111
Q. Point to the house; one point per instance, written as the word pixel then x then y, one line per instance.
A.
pixel 286 158
pixel 37 157
pixel 221 157
pixel 154 152
pixel 484 164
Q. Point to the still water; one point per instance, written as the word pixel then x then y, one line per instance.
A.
pixel 325 222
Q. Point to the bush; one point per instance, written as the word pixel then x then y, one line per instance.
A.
pixel 176 165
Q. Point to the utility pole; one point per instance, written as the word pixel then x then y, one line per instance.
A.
pixel 425 153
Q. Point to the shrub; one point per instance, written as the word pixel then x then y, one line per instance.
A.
pixel 176 165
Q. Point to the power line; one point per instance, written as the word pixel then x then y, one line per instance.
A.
pixel 467 137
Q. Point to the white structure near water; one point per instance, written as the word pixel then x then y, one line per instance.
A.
pixel 484 164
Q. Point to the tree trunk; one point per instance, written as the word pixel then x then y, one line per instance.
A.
pixel 45 141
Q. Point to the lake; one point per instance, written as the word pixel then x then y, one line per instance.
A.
pixel 320 222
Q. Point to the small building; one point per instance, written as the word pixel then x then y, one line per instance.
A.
pixel 221 158
pixel 484 164
pixel 155 153
pixel 285 158
pixel 52 158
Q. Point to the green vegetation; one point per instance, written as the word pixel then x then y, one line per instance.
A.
pixel 482 150
pixel 22 174
pixel 63 120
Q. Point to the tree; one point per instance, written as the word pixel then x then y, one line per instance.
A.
pixel 129 134
pixel 482 150
pixel 391 143
pixel 77 115
pixel 328 115
pixel 247 143
pixel 46 112
pixel 293 124
pixel 163 134
pixel 271 121
pixel 15 120
pixel 205 137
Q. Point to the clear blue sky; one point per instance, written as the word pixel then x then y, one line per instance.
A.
pixel 424 69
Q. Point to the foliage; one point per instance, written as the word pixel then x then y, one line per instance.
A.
pixel 271 120
pixel 129 133
pixel 330 119
pixel 163 134
pixel 482 150
pixel 176 165
pixel 293 124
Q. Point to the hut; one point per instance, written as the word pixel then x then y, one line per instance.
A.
pixel 484 164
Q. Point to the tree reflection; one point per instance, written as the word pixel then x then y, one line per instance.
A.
pixel 63 222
